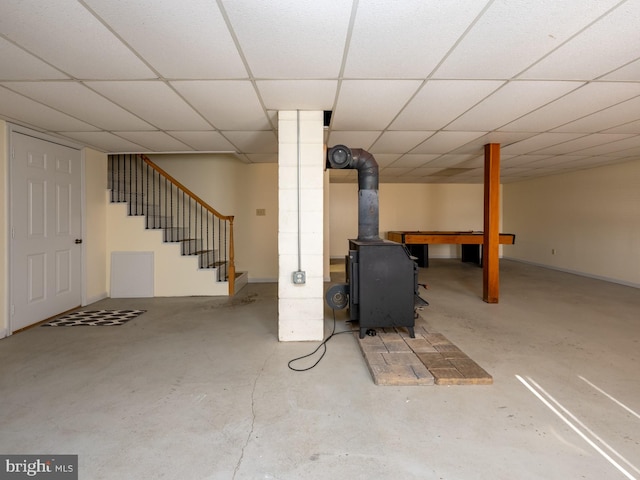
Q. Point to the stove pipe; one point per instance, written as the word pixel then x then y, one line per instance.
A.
pixel 341 156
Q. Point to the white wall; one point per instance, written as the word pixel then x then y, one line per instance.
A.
pixel 301 243
pixel 235 188
pixel 4 222
pixel 95 226
pixel 408 207
pixel 174 275
pixel 591 218
pixel 258 242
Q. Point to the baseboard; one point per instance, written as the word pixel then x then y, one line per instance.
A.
pixel 263 280
pixel 3 333
pixel 575 272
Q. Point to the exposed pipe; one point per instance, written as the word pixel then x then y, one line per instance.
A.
pixel 298 191
pixel 341 156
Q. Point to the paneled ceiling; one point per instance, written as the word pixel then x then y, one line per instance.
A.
pixel 421 84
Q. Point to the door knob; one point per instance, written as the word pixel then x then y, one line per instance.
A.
pixel 78 240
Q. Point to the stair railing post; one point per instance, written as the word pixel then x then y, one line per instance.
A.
pixel 151 196
pixel 232 265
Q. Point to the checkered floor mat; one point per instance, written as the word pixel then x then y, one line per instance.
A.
pixel 95 318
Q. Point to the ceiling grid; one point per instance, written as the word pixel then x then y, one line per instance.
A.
pixel 422 84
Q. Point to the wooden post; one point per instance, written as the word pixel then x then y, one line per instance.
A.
pixel 232 265
pixel 491 267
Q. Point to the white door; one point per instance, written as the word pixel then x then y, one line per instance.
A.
pixel 46 248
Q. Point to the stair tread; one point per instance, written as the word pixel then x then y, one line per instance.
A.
pixel 158 217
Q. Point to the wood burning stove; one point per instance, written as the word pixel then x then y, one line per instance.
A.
pixel 382 277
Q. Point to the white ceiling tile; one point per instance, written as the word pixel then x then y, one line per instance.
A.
pixel 593 162
pixel 78 101
pixel 16 64
pixel 595 51
pixel 362 140
pixel 440 101
pixel 509 103
pixel 476 162
pixel 385 159
pixel 569 161
pixel 539 142
pixel 510 36
pixel 553 161
pixel 395 171
pixel 443 142
pixel 291 38
pixel 207 141
pixel 74 38
pixel 424 171
pixel 228 105
pixel 106 142
pixel 544 172
pixel 513 172
pixel 155 141
pixel 390 142
pixel 263 157
pixel 582 143
pixel 503 138
pixel 470 173
pixel 619 148
pixel 17 107
pixel 390 179
pixel 378 79
pixel 414 160
pixel 253 142
pixel 359 105
pixel 194 26
pixel 520 161
pixel 450 160
pixel 153 101
pixel 627 73
pixel 631 127
pixel 408 39
pixel 298 94
pixel 581 102
pixel 622 113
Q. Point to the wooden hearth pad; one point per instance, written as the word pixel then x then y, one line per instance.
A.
pixel 394 358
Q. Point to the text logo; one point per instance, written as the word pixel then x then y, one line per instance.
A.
pixel 39 467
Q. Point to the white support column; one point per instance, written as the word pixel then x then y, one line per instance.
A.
pixel 301 225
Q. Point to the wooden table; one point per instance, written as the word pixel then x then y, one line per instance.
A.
pixel 418 243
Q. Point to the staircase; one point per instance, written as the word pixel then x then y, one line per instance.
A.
pixel 182 216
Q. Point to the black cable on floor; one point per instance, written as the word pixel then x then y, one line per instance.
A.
pixel 323 344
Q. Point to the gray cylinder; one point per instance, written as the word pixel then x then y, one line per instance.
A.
pixel 341 156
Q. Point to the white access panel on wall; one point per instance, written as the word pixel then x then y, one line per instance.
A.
pixel 131 274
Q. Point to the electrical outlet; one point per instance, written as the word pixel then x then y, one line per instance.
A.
pixel 261 212
pixel 299 277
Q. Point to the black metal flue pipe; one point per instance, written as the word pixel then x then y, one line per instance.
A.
pixel 341 156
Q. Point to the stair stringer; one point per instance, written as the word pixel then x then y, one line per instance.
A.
pixel 175 275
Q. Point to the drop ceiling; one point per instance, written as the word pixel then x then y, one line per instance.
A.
pixel 421 84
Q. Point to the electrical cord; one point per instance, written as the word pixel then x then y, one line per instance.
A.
pixel 323 344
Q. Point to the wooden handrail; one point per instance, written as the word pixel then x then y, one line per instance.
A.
pixel 232 266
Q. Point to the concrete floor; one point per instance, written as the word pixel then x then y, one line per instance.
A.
pixel 198 388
